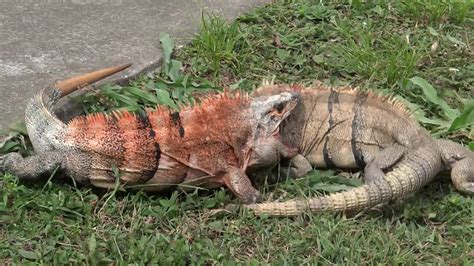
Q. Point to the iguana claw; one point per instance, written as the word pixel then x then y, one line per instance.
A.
pixel 232 208
pixel 7 160
pixel 2 163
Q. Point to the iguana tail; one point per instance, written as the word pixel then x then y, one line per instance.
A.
pixel 44 128
pixel 417 170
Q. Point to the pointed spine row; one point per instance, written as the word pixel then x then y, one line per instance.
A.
pixel 390 100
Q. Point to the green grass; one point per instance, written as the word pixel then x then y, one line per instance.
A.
pixel 418 50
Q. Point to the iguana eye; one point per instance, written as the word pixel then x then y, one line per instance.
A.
pixel 280 107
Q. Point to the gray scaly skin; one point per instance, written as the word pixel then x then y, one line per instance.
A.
pixel 208 145
pixel 343 128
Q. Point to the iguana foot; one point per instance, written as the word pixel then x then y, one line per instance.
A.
pixel 462 175
pixel 387 158
pixel 372 174
pixel 31 168
pixel 237 181
pixel 467 188
pixel 460 160
pixel 298 166
pixel 8 160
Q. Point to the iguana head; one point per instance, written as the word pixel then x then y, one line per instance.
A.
pixel 268 112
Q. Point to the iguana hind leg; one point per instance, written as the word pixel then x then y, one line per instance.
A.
pixel 461 162
pixel 386 158
pixel 462 175
pixel 34 167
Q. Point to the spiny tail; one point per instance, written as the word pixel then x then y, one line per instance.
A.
pixel 44 128
pixel 417 170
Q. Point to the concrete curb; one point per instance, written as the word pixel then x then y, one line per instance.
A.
pixel 51 40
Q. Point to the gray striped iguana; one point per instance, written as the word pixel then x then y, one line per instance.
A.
pixel 208 145
pixel 345 128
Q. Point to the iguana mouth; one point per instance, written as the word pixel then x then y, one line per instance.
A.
pixel 289 100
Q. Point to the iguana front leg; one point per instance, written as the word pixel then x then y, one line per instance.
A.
pixel 33 167
pixel 239 183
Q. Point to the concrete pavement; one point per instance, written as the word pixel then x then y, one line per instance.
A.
pixel 44 41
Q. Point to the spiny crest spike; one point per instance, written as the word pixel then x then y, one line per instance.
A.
pixel 159 111
pixel 75 83
pixel 225 94
pixel 117 114
pixel 397 104
pixel 96 118
pixel 268 82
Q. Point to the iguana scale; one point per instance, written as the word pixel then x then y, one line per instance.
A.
pixel 208 145
pixel 345 128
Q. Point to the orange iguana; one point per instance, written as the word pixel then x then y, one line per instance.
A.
pixel 208 145
pixel 344 128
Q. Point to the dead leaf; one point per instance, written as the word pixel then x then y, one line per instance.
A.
pixel 434 47
pixel 277 41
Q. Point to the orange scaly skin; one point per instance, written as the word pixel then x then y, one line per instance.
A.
pixel 209 145
pixel 176 145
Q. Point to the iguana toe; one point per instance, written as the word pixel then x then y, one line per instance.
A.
pixel 469 188
pixel 462 175
pixel 2 164
pixel 8 160
pixel 466 187
pixel 250 198
pixel 297 166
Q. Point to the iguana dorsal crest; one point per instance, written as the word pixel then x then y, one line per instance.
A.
pixel 376 98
